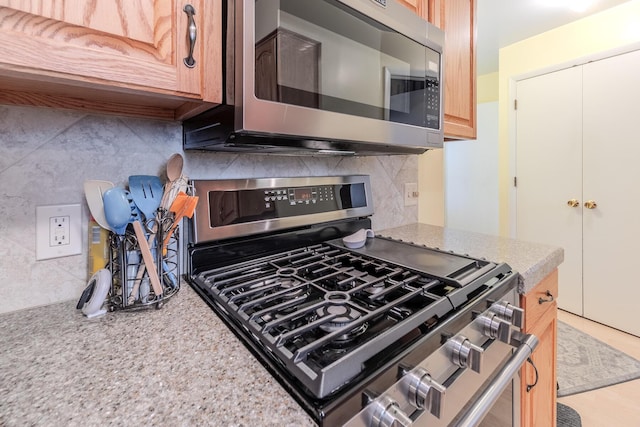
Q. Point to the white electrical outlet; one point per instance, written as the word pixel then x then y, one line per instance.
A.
pixel 58 231
pixel 411 194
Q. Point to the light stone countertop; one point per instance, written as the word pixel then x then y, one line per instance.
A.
pixel 177 366
pixel 533 261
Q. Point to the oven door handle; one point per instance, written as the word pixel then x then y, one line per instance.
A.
pixel 485 402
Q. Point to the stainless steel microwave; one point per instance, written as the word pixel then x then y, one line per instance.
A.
pixel 341 77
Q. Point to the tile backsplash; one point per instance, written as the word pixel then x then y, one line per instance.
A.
pixel 46 155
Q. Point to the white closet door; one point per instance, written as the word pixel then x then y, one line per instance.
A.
pixel 549 172
pixel 612 180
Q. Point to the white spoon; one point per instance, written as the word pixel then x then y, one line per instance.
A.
pixel 358 239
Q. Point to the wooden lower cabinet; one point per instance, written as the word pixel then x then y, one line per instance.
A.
pixel 538 404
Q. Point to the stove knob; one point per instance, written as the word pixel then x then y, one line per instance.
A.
pixel 494 327
pixel 509 312
pixel 424 392
pixel 387 413
pixel 465 354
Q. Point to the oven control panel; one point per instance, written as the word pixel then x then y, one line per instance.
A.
pixel 300 195
pixel 234 208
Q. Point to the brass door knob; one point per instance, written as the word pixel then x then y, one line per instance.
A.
pixel 573 203
pixel 590 204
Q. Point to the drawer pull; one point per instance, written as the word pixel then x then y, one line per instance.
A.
pixel 192 32
pixel 535 370
pixel 543 300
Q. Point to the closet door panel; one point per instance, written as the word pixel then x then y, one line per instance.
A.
pixel 549 172
pixel 611 179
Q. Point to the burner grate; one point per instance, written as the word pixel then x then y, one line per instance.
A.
pixel 323 311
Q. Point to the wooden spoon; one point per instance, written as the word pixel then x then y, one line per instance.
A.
pixel 174 172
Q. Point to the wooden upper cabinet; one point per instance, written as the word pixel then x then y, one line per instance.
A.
pixel 458 20
pixel 419 7
pixel 124 57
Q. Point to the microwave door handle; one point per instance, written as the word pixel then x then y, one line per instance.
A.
pixel 485 402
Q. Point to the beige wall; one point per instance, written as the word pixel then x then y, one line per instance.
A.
pixel 610 31
pixel 431 187
pixel 487 89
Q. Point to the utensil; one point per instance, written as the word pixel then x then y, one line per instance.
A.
pixel 117 209
pixel 133 261
pixel 146 191
pixel 358 239
pixel 93 192
pixel 174 171
pixel 147 256
pixel 183 206
pixel 176 183
pixel 120 210
pixel 174 167
pixel 93 297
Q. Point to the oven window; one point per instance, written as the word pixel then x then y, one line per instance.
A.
pixel 322 54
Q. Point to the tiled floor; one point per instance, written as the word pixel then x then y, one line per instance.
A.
pixel 618 405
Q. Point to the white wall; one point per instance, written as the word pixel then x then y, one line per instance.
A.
pixel 471 177
pixel 459 184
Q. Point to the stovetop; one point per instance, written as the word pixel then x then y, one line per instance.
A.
pixel 326 312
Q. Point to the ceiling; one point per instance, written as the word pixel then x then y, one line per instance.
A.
pixel 504 22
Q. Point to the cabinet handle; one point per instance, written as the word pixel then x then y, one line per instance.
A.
pixel 590 204
pixel 543 300
pixel 535 382
pixel 573 203
pixel 192 33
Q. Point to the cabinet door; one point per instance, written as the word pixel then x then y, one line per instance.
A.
pixel 419 7
pixel 127 45
pixel 549 172
pixel 611 176
pixel 538 402
pixel 458 20
pixel 540 407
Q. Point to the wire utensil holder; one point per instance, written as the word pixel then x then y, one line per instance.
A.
pixel 130 284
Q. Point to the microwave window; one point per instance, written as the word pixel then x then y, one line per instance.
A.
pixel 322 54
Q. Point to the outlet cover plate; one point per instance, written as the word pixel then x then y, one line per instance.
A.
pixel 411 194
pixel 58 231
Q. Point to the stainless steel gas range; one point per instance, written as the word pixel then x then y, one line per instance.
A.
pixel 360 330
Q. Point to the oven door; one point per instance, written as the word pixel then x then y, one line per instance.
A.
pixel 498 402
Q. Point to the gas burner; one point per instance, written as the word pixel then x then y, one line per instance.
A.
pixel 344 313
pixel 376 288
pixel 286 280
pixel 286 271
